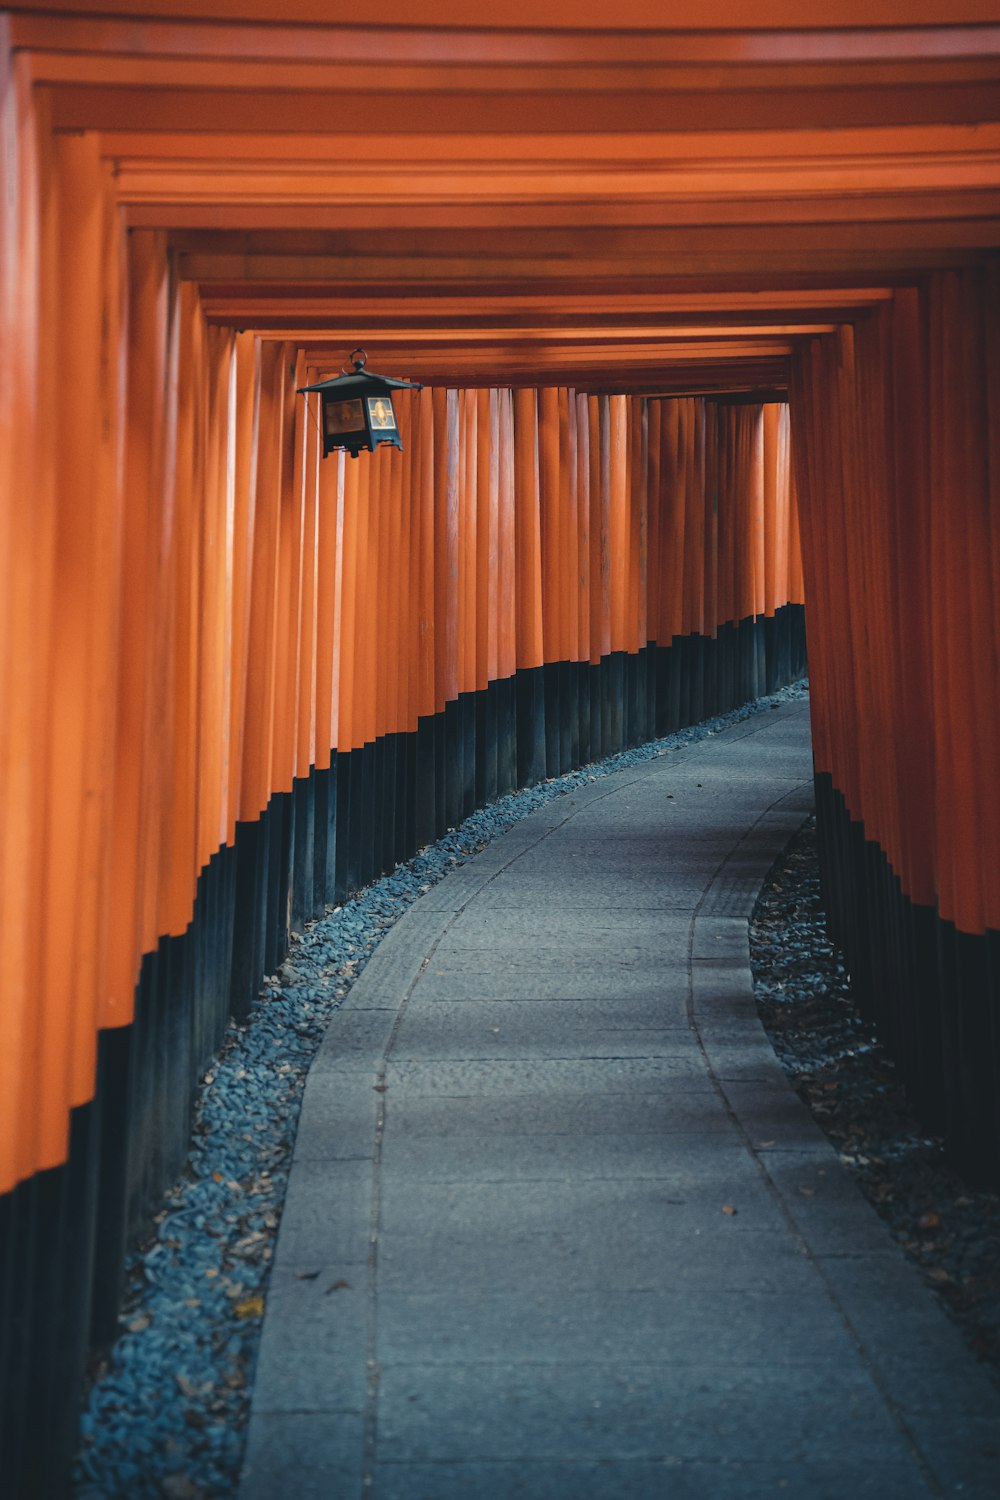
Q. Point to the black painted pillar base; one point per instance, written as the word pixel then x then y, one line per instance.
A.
pixel 932 992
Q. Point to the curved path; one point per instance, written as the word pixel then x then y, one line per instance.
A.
pixel 557 1227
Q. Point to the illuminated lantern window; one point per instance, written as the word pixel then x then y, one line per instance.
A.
pixel 356 408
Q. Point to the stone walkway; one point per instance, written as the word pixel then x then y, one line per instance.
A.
pixel 557 1228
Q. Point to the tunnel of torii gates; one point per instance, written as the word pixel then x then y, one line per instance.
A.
pixel 678 293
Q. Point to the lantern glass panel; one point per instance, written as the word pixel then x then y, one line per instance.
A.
pixel 343 416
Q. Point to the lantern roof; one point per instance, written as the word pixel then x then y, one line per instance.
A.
pixel 359 381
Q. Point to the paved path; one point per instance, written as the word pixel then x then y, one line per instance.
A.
pixel 558 1229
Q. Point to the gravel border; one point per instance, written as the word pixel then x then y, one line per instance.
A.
pixel 166 1412
pixel 948 1227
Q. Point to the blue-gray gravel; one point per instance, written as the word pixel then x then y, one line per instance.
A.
pixel 948 1226
pixel 166 1416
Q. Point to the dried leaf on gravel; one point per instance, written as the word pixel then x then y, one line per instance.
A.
pixel 250 1307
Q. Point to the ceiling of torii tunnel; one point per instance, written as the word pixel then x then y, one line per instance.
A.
pixel 627 198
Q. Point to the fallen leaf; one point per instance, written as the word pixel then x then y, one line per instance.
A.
pixel 938 1274
pixel 807 1192
pixel 250 1307
pixel 728 1210
pixel 339 1286
pixel 137 1325
pixel 381 1088
pixel 306 1275
pixel 929 1221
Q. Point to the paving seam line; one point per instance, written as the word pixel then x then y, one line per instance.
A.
pixel 373 1377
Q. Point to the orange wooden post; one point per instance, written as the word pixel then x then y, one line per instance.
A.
pixel 487 544
pixel 409 613
pixel 258 742
pixel 637 578
pixel 133 855
pixel 322 478
pixel 754 439
pixel 672 511
pixel 721 469
pixel 284 717
pixel 551 507
pixel 314 584
pixel 774 505
pixel 365 604
pixel 698 436
pixel 796 580
pixel 442 501
pixel 349 727
pixel 654 523
pixel 506 584
pixel 26 568
pixel 339 486
pixel 957 542
pixel 582 406
pixel 468 552
pixel 987 316
pixel 600 564
pixel 85 586
pixel 218 547
pixel 242 480
pixel 569 562
pixel 424 501
pixel 359 675
pixel 617 522
pixel 397 589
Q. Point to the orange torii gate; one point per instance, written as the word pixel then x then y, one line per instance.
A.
pixel 610 254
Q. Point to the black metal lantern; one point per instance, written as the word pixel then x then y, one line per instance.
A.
pixel 356 408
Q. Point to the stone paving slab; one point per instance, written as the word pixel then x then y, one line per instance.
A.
pixel 566 1325
pixel 436 1117
pixel 586 931
pixel 503 1157
pixel 450 1028
pixel 558 1228
pixel 437 1413
pixel 323 1450
pixel 580 1076
pixel 664 1478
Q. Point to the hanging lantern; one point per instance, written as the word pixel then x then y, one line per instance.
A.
pixel 356 408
